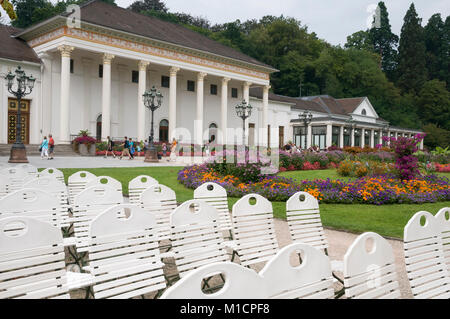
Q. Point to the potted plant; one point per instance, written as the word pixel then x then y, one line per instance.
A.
pixel 84 144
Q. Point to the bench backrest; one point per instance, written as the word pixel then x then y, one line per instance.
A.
pixel 240 283
pixel 369 272
pixel 160 201
pixel 303 218
pixel 31 260
pixel 443 219
pixel 196 236
pixel 124 254
pixel 137 185
pixel 216 196
pixel 311 279
pixel 424 257
pixel 254 230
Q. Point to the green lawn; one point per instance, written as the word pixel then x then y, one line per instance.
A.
pixel 387 220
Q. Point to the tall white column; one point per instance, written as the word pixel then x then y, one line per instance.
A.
pixel 352 137
pixel 372 138
pixel 246 96
pixel 421 145
pixel 106 96
pixel 141 107
pixel 308 136
pixel 363 137
pixel 86 110
pixel 199 110
pixel 46 96
pixel 380 137
pixel 265 116
pixel 329 136
pixel 122 72
pixel 173 102
pixel 224 112
pixel 64 123
pixel 396 134
pixel 341 136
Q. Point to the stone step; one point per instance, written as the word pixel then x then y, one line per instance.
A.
pixel 33 150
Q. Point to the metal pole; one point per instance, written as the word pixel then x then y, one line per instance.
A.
pixel 19 120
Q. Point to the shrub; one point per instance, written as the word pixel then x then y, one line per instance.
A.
pixel 345 168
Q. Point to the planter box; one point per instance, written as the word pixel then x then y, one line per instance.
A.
pixel 86 150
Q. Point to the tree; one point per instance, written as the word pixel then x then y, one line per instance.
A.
pixel 411 69
pixel 359 40
pixel 434 104
pixel 436 136
pixel 435 46
pixel 148 5
pixel 8 7
pixel 384 41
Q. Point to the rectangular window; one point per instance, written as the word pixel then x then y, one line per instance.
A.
pixel 319 134
pixel 300 136
pixel 213 89
pixel 347 131
pixel 234 93
pixel 100 70
pixel 191 86
pixel 135 76
pixel 71 65
pixel 357 137
pixel 367 134
pixel 165 81
pixel 335 140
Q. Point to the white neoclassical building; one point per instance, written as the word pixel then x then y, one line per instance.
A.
pixel 91 74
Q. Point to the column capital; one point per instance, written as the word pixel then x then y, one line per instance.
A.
pixel 225 80
pixel 143 65
pixel 65 50
pixel 201 76
pixel 247 84
pixel 173 70
pixel 267 87
pixel 107 58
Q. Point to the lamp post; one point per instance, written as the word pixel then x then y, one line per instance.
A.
pixel 244 110
pixel 152 100
pixel 24 87
pixel 306 118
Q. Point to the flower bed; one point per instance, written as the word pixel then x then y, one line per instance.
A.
pixel 383 189
pixel 360 169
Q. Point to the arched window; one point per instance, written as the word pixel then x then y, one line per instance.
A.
pixel 364 112
pixel 99 128
pixel 212 132
pixel 163 130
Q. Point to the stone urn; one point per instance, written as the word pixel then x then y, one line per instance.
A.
pixel 86 149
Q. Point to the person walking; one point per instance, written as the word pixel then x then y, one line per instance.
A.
pixel 164 149
pixel 132 149
pixel 109 147
pixel 51 145
pixel 44 148
pixel 126 149
pixel 173 156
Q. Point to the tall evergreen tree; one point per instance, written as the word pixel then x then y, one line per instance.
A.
pixel 434 42
pixel 384 41
pixel 411 71
pixel 446 52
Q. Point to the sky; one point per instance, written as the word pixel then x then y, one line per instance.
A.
pixel 332 20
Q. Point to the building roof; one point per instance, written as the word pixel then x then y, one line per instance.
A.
pixel 13 48
pixel 297 103
pixel 114 17
pixel 350 104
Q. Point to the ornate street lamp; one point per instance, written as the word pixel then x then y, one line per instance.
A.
pixel 244 110
pixel 306 118
pixel 24 87
pixel 152 100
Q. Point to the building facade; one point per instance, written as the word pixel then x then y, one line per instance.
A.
pixel 91 74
